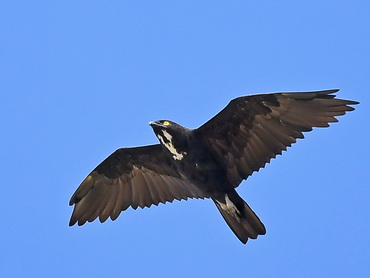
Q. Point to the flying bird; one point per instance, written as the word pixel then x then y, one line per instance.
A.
pixel 206 162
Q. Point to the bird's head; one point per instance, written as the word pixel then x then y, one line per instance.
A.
pixel 172 136
pixel 168 126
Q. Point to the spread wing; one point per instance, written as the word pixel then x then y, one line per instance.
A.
pixel 136 177
pixel 251 130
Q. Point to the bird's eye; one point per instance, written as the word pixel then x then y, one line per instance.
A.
pixel 166 123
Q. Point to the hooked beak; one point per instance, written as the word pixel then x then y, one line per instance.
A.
pixel 154 123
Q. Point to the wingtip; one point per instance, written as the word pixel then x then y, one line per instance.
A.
pixel 352 102
pixel 328 91
pixel 71 222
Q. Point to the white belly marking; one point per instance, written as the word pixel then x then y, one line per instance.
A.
pixel 230 207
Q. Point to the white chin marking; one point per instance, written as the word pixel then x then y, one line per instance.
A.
pixel 170 146
pixel 229 207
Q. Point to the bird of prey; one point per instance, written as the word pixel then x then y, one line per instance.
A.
pixel 206 162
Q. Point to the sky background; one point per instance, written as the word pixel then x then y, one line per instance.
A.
pixel 79 79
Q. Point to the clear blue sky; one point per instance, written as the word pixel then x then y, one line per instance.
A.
pixel 79 79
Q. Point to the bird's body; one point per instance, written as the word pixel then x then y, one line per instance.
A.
pixel 198 166
pixel 202 168
pixel 207 162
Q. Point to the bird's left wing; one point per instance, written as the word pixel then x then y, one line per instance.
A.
pixel 251 130
pixel 136 177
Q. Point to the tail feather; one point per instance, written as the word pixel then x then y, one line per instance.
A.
pixel 240 217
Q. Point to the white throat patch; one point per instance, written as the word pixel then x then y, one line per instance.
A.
pixel 170 146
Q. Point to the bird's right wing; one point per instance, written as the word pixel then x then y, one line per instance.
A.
pixel 136 177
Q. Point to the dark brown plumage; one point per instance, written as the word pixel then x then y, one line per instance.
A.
pixel 207 162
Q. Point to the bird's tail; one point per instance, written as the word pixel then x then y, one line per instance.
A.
pixel 239 216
